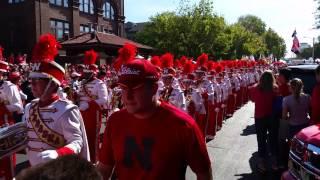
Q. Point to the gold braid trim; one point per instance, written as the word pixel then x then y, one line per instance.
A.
pixel 44 133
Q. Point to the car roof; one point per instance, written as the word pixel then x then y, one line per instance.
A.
pixel 304 67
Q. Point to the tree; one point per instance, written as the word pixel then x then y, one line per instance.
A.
pixel 274 43
pixel 196 29
pixel 252 24
pixel 317 14
pixel 190 31
pixel 244 42
pixel 307 52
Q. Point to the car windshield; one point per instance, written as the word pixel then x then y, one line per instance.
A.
pixel 307 75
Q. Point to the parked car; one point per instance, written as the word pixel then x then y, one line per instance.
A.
pixel 307 74
pixel 304 156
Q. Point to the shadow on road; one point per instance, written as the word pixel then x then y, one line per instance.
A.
pixel 255 174
pixel 249 130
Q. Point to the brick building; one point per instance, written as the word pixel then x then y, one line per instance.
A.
pixel 23 21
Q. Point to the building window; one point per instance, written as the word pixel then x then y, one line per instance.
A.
pixel 15 1
pixel 108 31
pixel 86 6
pixel 108 10
pixel 59 28
pixel 84 29
pixel 64 3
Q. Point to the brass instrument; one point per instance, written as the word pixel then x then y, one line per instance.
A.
pixel 13 138
pixel 165 94
pixel 190 104
pixel 115 99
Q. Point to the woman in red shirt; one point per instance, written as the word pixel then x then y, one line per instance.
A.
pixel 263 95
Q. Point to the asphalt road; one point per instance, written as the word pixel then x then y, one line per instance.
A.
pixel 233 152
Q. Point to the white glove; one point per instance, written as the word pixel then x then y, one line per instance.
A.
pixel 48 155
pixel 83 106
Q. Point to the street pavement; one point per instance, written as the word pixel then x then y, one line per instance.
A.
pixel 233 152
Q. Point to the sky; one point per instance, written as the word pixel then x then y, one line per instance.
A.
pixel 281 15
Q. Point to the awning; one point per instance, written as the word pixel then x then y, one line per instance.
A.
pixel 102 40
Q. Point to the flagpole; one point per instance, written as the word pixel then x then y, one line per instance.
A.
pixel 314 61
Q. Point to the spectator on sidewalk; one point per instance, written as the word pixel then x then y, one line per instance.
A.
pixel 263 95
pixel 283 82
pixel 315 100
pixel 296 108
pixel 283 91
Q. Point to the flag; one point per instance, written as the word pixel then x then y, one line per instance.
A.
pixel 295 45
pixel 294 34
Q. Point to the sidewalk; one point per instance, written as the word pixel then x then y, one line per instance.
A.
pixel 233 152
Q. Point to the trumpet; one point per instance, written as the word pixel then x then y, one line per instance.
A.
pixel 191 107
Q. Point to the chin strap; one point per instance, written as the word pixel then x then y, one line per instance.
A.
pixel 46 90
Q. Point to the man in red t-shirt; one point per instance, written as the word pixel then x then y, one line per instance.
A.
pixel 283 82
pixel 150 139
pixel 282 124
pixel 315 100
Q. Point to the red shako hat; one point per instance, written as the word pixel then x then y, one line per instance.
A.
pixel 4 66
pixel 90 58
pixel 167 65
pixel 42 62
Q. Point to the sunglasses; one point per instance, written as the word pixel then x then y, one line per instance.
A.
pixel 36 80
pixel 126 88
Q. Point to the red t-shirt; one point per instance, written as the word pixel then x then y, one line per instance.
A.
pixel 284 90
pixel 159 147
pixel 263 102
pixel 315 104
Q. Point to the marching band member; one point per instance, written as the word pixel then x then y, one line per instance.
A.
pixel 171 91
pixel 10 103
pixel 194 102
pixel 238 88
pixel 55 126
pixel 93 99
pixel 212 106
pixel 220 96
pixel 155 60
pixel 232 99
pixel 207 93
pixel 75 83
